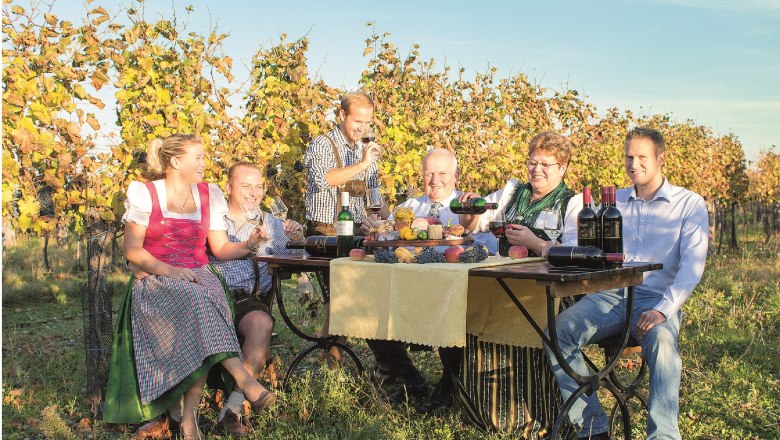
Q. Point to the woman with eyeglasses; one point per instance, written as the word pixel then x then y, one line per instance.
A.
pixel 521 375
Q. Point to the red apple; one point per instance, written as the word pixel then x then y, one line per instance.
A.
pixel 433 220
pixel 452 254
pixel 517 252
pixel 357 254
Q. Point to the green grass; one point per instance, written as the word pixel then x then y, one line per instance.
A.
pixel 730 343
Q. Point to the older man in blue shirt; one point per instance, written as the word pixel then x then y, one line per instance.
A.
pixel 661 223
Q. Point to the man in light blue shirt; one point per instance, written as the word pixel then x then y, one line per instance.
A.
pixel 661 223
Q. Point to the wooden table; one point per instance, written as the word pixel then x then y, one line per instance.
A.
pixel 561 282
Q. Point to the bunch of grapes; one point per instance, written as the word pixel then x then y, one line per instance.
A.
pixel 474 254
pixel 381 256
pixel 429 254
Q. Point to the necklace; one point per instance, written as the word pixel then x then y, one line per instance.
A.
pixel 184 203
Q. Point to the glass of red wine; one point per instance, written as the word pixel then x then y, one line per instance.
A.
pixel 375 200
pixel 498 223
pixel 368 137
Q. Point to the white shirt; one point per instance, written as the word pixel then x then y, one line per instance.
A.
pixel 138 205
pixel 422 206
pixel 672 229
pixel 504 195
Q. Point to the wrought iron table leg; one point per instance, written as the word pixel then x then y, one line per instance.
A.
pixel 590 383
pixel 324 343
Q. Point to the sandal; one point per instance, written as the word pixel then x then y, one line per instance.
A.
pixel 162 427
pixel 265 400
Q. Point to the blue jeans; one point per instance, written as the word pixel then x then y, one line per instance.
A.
pixel 601 315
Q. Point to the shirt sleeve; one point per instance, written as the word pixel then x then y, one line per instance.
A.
pixel 569 235
pixel 218 209
pixel 694 242
pixel 138 205
pixel 501 197
pixel 318 161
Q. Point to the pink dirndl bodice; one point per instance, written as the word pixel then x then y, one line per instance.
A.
pixel 178 242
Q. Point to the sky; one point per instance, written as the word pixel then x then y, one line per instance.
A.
pixel 715 62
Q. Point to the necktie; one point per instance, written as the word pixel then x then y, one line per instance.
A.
pixel 434 211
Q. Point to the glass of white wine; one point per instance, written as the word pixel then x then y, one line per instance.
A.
pixel 252 214
pixel 278 208
pixel 553 221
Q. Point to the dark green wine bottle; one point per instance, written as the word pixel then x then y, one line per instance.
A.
pixel 344 228
pixel 471 206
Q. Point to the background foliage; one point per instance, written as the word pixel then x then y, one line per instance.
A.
pixel 168 80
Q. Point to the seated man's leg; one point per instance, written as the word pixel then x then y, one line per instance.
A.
pixel 393 360
pixel 444 393
pixel 254 326
pixel 593 318
pixel 660 350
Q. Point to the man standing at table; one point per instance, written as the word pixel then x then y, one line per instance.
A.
pixel 246 189
pixel 661 223
pixel 440 174
pixel 339 161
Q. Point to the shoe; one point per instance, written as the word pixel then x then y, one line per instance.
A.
pixel 380 376
pixel 439 399
pixel 407 391
pixel 162 427
pixel 234 424
pixel 266 400
pixel 599 436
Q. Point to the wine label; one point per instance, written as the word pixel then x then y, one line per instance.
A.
pixel 344 227
pixel 586 230
pixel 612 230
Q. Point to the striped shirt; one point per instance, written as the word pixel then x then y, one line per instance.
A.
pixel 322 200
pixel 240 273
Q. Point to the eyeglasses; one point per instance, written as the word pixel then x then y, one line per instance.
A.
pixel 531 164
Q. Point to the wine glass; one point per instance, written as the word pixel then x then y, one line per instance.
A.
pixel 498 223
pixel 553 221
pixel 278 208
pixel 367 137
pixel 375 201
pixel 252 214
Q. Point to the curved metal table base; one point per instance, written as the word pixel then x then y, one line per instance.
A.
pixel 282 268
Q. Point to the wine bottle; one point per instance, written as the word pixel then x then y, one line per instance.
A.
pixel 599 214
pixel 582 256
pixel 322 245
pixel 344 228
pixel 612 226
pixel 587 222
pixel 471 206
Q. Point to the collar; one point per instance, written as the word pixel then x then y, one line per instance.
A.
pixel 663 193
pixel 445 203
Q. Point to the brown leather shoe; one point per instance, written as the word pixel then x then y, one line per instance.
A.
pixel 265 400
pixel 235 424
pixel 162 427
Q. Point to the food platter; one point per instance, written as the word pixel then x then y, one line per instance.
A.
pixel 416 243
